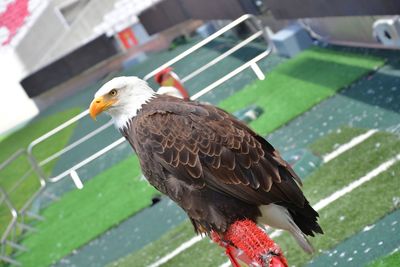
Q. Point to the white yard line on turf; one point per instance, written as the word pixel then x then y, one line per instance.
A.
pixel 353 185
pixel 341 149
pixel 353 142
pixel 340 193
pixel 178 250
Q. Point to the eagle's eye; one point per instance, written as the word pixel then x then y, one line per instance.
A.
pixel 113 92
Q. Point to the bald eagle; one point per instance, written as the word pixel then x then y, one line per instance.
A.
pixel 212 165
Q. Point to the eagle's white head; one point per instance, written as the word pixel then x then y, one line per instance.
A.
pixel 122 98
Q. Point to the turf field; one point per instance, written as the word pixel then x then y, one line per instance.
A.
pixel 297 85
pixel 99 209
pixel 331 177
pixel 298 77
pixel 387 261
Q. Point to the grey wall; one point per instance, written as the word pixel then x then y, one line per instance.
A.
pixel 80 31
pixel 356 30
pixel 51 37
pixel 69 66
pixel 46 29
pixel 293 9
pixel 169 13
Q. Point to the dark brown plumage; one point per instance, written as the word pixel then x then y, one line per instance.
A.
pixel 215 167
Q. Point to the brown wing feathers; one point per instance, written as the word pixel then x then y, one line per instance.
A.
pixel 203 147
pixel 190 139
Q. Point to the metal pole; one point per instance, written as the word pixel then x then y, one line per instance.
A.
pixel 56 130
pixel 87 160
pixel 230 75
pixel 257 71
pixel 222 56
pixel 11 158
pixel 198 45
pixel 14 215
pixel 76 143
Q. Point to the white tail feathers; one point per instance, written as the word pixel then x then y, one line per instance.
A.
pixel 278 217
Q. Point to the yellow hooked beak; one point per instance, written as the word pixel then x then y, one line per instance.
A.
pixel 98 105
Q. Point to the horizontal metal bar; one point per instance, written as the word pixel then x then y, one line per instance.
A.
pixel 87 160
pixel 35 216
pixel 199 45
pixel 222 56
pixel 56 130
pixel 50 196
pixel 76 143
pixel 29 228
pixel 11 158
pixel 230 75
pixel 16 246
pixel 10 260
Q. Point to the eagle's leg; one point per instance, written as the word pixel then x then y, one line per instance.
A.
pixel 245 241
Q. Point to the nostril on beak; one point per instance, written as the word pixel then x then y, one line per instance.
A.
pixel 98 101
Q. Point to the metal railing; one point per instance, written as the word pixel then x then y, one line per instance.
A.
pixel 72 171
pixel 257 23
pixel 249 64
pixel 8 237
pixel 9 233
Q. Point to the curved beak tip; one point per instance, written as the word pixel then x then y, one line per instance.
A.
pixel 94 109
pixel 92 112
pixel 98 105
pixel 93 117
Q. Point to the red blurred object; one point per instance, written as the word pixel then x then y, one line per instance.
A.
pixel 127 38
pixel 167 77
pixel 246 242
pixel 159 76
pixel 13 18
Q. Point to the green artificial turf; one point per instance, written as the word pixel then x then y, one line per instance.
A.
pixel 158 248
pixel 213 255
pixel 2 137
pixel 298 84
pixel 355 216
pixel 340 220
pixel 81 215
pixel 349 215
pixel 167 243
pixel 387 261
pixel 351 165
pixel 331 141
pixel 20 140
